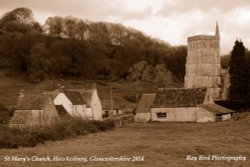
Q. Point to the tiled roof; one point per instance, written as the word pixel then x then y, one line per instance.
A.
pixel 75 97
pixel 216 109
pixel 32 102
pixel 85 94
pixel 179 97
pixel 145 103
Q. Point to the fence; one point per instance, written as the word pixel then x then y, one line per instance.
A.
pixel 123 119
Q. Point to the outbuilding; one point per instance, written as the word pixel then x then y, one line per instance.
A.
pixel 187 105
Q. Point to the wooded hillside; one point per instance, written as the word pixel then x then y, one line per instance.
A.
pixel 72 47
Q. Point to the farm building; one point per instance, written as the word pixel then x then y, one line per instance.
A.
pixel 187 105
pixel 144 107
pixel 33 110
pixel 80 103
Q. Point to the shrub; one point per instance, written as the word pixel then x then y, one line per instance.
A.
pixel 63 128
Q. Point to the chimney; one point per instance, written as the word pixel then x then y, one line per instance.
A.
pixel 21 93
pixel 61 88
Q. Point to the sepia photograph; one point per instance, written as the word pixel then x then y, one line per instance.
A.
pixel 124 83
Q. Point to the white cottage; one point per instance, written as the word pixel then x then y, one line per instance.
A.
pixel 80 103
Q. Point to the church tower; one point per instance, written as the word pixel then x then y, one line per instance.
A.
pixel 203 66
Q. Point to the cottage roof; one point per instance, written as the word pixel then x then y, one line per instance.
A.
pixel 179 97
pixel 61 111
pixel 145 103
pixel 216 109
pixel 32 102
pixel 75 97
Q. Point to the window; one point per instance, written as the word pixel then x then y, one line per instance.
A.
pixel 161 115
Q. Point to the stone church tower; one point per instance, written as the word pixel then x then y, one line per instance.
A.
pixel 203 66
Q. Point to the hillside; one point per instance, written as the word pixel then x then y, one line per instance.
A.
pixel 68 47
pixel 124 92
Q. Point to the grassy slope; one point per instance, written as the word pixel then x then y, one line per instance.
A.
pixel 11 85
pixel 162 144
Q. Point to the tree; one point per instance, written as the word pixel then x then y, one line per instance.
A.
pixel 54 26
pixel 39 63
pixel 19 20
pixel 238 73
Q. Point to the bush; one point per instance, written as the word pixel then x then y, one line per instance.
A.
pixel 61 129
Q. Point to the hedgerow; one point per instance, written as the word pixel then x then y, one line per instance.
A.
pixel 60 129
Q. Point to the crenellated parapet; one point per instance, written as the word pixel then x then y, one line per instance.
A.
pixel 202 37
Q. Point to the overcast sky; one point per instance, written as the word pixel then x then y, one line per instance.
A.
pixel 170 20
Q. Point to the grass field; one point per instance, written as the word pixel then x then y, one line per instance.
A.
pixel 161 144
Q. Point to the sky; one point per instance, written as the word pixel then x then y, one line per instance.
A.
pixel 169 20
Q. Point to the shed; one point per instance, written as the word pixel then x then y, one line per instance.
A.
pixel 213 113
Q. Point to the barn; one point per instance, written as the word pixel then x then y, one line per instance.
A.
pixel 187 105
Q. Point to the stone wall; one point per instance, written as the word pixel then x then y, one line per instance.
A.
pixel 180 114
pixel 205 116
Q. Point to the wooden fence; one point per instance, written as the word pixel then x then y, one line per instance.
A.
pixel 123 119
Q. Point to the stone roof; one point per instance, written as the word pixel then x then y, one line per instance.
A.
pixel 179 97
pixel 32 102
pixel 145 103
pixel 75 97
pixel 216 109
